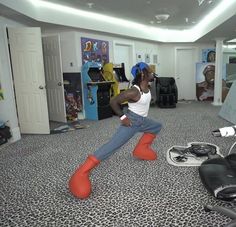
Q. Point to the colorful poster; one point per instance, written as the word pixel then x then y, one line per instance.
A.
pixel 1 92
pixel 205 82
pixel 73 95
pixel 94 50
pixel 208 55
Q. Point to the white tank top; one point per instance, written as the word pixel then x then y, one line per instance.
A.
pixel 141 107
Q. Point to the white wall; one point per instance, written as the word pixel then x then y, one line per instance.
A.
pixel 70 36
pixel 166 57
pixel 70 52
pixel 165 52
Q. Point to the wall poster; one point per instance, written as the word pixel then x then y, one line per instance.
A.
pixel 73 95
pixel 94 50
pixel 205 79
pixel 208 55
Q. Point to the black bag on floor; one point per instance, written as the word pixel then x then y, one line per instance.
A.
pixel 5 134
pixel 219 177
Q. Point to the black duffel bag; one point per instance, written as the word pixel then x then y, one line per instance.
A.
pixel 219 177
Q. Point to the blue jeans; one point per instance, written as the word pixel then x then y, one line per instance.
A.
pixel 124 134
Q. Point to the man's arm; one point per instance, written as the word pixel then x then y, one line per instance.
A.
pixel 128 95
pixel 131 94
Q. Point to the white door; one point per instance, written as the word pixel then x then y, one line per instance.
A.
pixel 29 80
pixel 186 59
pixel 123 53
pixel 54 78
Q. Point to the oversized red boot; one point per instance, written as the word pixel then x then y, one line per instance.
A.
pixel 79 183
pixel 143 149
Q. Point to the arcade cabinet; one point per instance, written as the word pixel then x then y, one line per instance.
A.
pixel 96 91
pixel 110 76
pixel 116 73
pixel 119 73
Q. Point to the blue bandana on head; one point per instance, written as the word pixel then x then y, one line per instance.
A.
pixel 138 68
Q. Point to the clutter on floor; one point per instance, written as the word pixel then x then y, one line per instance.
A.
pixel 191 155
pixel 66 127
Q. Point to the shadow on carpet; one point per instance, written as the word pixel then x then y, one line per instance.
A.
pixel 67 127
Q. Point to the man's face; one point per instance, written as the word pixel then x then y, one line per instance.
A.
pixel 210 77
pixel 150 75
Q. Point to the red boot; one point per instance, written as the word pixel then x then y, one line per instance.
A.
pixel 79 183
pixel 143 149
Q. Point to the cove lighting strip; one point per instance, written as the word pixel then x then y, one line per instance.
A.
pixel 165 34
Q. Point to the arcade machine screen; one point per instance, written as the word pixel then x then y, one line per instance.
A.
pixel 119 71
pixel 96 75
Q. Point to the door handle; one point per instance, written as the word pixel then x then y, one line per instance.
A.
pixel 41 87
pixel 59 84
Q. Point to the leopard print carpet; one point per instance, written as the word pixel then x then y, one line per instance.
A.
pixel 127 192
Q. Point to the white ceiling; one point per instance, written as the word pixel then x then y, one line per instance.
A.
pixel 144 11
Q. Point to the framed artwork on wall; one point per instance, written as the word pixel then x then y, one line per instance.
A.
pixel 205 79
pixel 147 58
pixel 205 75
pixel 94 50
pixel 155 59
pixel 139 57
pixel 208 55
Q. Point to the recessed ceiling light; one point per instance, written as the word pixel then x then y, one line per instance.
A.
pixel 210 1
pixel 90 5
pixel 200 2
pixel 162 17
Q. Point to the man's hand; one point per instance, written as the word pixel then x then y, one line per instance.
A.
pixel 125 121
